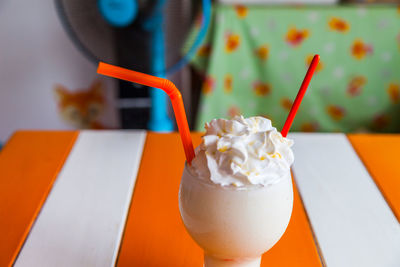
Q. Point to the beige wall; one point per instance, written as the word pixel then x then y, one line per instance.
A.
pixel 35 54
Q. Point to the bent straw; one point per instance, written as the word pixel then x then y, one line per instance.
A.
pixel 168 87
pixel 299 97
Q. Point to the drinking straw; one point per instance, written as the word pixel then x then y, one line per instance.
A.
pixel 299 97
pixel 168 87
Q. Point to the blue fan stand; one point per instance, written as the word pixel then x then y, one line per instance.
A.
pixel 121 13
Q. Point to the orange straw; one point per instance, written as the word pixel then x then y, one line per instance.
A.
pixel 168 87
pixel 299 97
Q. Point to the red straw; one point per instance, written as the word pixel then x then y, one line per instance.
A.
pixel 299 97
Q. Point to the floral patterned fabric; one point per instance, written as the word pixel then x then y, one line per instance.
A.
pixel 254 59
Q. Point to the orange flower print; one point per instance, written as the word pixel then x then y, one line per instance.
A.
pixel 336 112
pixel 355 86
pixel 359 49
pixel 398 40
pixel 233 111
pixel 309 127
pixel 208 85
pixel 320 65
pixel 204 50
pixel 339 25
pixel 232 42
pixel 261 89
pixel 286 103
pixel 380 121
pixel 393 91
pixel 295 37
pixel 228 82
pixel 241 11
pixel 262 52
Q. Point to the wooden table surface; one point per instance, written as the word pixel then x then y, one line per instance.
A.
pixel 105 198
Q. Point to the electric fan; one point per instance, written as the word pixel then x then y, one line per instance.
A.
pixel 130 33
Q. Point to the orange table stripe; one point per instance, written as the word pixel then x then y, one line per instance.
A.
pixel 297 246
pixel 154 234
pixel 380 154
pixel 29 164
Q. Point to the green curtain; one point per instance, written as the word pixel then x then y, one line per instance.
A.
pixel 254 59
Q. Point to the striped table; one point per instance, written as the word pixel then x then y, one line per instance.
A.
pixel 105 198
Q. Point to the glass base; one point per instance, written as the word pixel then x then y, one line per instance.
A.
pixel 214 262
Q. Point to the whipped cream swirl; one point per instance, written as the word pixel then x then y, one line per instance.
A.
pixel 242 152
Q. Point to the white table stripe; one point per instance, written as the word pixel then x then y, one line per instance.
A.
pixel 82 221
pixel 352 222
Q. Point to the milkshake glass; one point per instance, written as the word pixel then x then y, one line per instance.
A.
pixel 236 199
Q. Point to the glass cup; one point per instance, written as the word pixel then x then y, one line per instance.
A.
pixel 234 226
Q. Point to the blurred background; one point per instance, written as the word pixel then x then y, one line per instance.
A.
pixel 234 57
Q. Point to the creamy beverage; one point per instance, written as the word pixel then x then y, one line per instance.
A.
pixel 236 198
